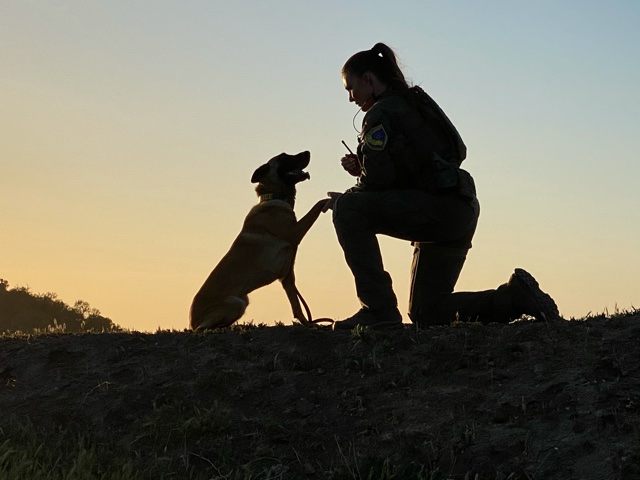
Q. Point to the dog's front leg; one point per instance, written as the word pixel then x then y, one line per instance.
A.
pixel 289 285
pixel 306 222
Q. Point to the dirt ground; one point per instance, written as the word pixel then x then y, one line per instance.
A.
pixel 526 400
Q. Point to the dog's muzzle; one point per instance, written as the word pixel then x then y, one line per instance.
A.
pixel 298 175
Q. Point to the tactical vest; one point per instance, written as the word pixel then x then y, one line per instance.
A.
pixel 433 114
pixel 446 162
pixel 421 142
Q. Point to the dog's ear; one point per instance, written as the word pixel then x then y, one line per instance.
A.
pixel 260 173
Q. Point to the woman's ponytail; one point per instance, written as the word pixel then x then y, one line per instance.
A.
pixel 382 62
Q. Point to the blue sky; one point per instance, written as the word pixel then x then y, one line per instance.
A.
pixel 131 130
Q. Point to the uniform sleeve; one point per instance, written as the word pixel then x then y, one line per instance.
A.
pixel 379 171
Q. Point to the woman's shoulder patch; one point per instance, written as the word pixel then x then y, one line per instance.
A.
pixel 376 138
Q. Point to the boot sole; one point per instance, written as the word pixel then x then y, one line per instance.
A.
pixel 547 308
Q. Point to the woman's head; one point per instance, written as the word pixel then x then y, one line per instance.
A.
pixel 368 73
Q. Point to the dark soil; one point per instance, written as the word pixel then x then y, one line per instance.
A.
pixel 526 400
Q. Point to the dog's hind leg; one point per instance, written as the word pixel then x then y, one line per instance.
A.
pixel 222 314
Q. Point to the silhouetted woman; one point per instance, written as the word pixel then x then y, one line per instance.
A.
pixel 410 186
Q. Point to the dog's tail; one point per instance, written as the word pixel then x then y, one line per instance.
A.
pixel 309 321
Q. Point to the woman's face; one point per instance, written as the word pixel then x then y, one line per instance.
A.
pixel 360 90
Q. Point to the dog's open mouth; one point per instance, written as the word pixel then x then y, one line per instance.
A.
pixel 298 175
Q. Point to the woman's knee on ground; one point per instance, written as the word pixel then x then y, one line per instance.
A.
pixel 425 312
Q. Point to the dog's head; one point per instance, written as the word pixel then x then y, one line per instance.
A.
pixel 283 170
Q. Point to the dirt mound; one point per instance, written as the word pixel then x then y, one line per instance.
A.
pixel 526 400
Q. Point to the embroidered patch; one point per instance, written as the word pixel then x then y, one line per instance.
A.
pixel 376 138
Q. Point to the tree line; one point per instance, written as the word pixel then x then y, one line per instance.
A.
pixel 27 312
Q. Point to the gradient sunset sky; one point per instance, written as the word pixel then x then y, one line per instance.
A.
pixel 130 131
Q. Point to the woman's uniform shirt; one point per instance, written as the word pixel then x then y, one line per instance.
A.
pixel 399 149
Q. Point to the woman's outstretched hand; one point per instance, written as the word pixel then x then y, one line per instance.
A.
pixel 333 196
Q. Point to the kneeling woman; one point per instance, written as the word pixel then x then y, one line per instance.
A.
pixel 410 187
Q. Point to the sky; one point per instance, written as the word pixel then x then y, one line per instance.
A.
pixel 130 131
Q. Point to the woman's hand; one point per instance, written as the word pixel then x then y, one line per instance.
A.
pixel 351 164
pixel 333 196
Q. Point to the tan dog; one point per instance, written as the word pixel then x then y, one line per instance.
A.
pixel 264 251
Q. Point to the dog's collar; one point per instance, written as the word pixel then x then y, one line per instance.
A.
pixel 274 196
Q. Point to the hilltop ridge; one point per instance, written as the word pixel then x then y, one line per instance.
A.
pixel 521 401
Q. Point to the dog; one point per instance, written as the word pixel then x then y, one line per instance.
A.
pixel 264 251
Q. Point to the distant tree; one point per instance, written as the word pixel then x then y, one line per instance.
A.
pixel 23 311
pixel 93 320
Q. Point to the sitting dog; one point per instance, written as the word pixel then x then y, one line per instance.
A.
pixel 264 251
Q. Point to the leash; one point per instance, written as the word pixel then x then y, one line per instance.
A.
pixel 309 321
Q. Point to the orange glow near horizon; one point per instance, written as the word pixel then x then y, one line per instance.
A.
pixel 130 133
